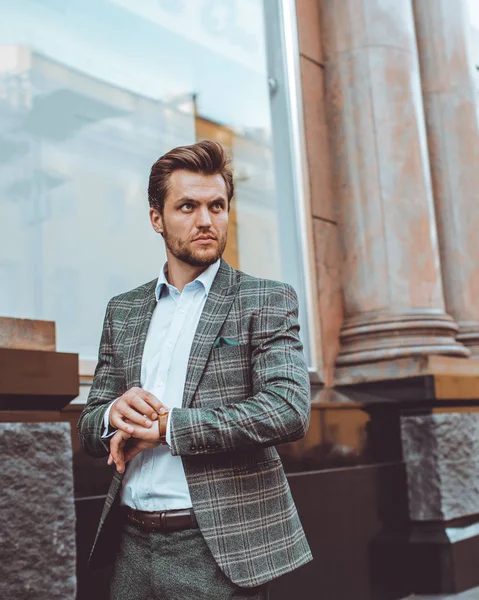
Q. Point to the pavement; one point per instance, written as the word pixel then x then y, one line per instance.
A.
pixel 472 594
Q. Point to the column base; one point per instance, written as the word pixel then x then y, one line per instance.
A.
pixel 443 560
pixel 424 415
pixel 371 337
pixel 436 558
pixel 469 336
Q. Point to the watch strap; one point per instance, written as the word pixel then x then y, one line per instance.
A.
pixel 162 424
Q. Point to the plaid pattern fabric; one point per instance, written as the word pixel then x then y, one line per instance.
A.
pixel 240 400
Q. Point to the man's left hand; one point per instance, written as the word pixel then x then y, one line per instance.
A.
pixel 123 448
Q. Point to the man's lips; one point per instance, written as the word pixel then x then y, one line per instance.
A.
pixel 204 240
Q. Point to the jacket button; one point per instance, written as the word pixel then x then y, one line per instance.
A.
pixel 200 447
pixel 208 446
pixel 193 448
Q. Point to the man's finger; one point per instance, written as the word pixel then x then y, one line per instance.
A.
pixel 152 400
pixel 148 434
pixel 127 412
pixel 143 408
pixel 118 423
pixel 139 401
pixel 116 449
pixel 113 452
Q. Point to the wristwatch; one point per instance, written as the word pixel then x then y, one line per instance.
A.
pixel 162 423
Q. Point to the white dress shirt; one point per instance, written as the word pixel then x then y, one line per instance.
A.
pixel 154 479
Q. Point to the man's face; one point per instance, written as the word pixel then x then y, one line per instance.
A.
pixel 194 223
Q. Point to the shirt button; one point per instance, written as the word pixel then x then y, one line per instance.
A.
pixel 160 384
pixel 181 311
pixel 168 345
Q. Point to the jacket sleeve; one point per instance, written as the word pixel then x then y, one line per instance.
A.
pixel 279 409
pixel 107 386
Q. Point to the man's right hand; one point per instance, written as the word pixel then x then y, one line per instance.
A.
pixel 137 406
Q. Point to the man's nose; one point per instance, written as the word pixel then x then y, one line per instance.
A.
pixel 204 217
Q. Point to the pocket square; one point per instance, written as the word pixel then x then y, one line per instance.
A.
pixel 221 342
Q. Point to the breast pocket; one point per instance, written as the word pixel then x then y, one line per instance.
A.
pixel 230 367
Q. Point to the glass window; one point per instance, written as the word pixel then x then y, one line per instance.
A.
pixel 91 94
pixel 473 6
pixel 473 10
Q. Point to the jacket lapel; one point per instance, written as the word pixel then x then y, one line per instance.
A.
pixel 138 323
pixel 215 311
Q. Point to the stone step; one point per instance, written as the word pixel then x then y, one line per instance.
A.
pixel 472 594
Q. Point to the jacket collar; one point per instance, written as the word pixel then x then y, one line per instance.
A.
pixel 206 278
pixel 220 298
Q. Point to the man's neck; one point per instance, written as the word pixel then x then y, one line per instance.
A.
pixel 180 273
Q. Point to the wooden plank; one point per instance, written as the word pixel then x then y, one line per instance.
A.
pixel 456 387
pixel 37 380
pixel 27 334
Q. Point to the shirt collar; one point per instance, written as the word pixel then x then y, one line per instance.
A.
pixel 206 278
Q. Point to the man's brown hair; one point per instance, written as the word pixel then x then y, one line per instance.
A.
pixel 206 157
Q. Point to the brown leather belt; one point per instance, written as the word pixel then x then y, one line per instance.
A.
pixel 163 521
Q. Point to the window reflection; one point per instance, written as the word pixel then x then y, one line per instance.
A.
pixel 473 6
pixel 91 94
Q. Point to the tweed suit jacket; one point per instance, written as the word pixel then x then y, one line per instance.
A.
pixel 240 400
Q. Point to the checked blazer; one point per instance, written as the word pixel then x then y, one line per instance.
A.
pixel 241 398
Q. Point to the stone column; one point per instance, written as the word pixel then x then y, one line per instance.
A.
pixel 441 454
pixel 453 137
pixel 37 520
pixel 37 514
pixel 393 297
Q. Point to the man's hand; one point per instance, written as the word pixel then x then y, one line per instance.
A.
pixel 135 411
pixel 123 448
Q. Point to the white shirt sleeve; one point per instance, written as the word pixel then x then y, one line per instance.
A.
pixel 168 432
pixel 108 430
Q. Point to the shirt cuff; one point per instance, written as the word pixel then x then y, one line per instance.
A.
pixel 168 432
pixel 108 430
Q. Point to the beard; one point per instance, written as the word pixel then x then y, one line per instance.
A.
pixel 201 257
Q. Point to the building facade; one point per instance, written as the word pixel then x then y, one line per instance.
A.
pixel 390 104
pixel 353 129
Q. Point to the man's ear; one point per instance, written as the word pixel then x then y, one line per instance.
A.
pixel 156 220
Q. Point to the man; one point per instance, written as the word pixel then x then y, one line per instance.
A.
pixel 200 374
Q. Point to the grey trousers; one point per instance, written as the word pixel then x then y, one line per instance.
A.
pixel 172 566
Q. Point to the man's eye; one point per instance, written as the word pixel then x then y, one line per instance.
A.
pixel 187 206
pixel 218 206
